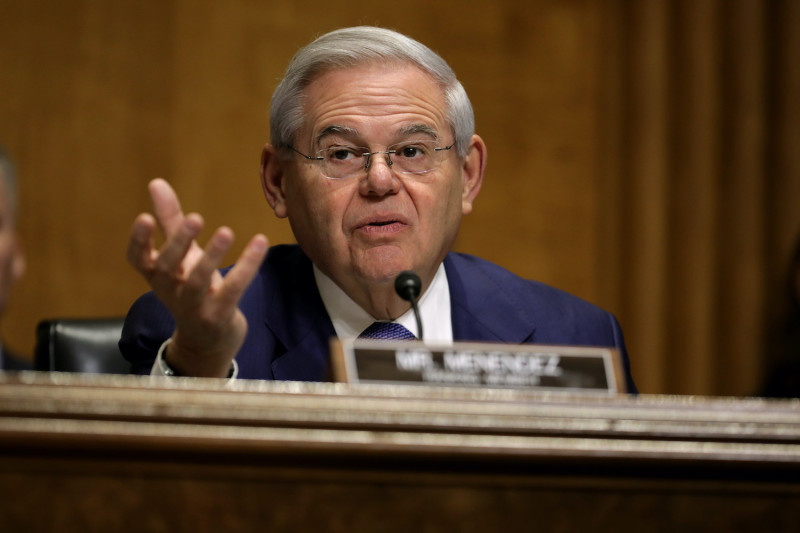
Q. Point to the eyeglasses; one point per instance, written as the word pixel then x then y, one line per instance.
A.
pixel 409 157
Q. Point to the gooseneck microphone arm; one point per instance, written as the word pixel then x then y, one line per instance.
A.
pixel 408 286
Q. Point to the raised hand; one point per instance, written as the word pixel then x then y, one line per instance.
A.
pixel 209 327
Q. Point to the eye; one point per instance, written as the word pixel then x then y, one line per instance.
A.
pixel 341 153
pixel 409 151
pixel 412 151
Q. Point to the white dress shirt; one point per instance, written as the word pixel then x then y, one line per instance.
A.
pixel 349 319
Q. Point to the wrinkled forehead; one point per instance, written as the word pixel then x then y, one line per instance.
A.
pixel 399 98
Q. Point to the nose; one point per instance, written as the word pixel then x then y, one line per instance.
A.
pixel 379 180
pixel 387 157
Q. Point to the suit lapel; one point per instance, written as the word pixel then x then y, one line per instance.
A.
pixel 297 318
pixel 482 307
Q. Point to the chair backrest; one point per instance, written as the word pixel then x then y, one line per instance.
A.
pixel 89 345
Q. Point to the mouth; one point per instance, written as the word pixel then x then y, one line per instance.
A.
pixel 382 225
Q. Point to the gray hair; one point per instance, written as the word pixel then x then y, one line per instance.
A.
pixel 350 47
pixel 9 181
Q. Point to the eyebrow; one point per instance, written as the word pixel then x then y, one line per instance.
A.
pixel 413 129
pixel 335 129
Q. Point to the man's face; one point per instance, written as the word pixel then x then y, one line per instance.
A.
pixel 11 259
pixel 367 228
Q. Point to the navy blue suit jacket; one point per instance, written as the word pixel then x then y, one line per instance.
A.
pixel 289 330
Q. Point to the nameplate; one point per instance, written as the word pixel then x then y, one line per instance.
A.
pixel 518 366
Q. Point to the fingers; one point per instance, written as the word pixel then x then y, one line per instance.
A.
pixel 184 276
pixel 140 253
pixel 243 272
pixel 172 260
pixel 202 287
pixel 200 278
pixel 166 205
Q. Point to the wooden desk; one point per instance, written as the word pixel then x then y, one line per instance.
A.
pixel 121 453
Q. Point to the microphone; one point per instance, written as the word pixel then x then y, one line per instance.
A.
pixel 408 286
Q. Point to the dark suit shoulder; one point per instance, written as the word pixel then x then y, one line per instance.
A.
pixel 489 302
pixel 491 284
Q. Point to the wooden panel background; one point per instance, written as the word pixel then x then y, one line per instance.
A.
pixel 642 154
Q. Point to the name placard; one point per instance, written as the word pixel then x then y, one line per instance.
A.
pixel 528 366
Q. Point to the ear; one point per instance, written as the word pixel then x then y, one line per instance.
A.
pixel 473 168
pixel 272 174
pixel 18 263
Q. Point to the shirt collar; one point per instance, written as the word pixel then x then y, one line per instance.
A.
pixel 349 319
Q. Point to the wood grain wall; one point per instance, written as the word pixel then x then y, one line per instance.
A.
pixel 642 154
pixel 703 174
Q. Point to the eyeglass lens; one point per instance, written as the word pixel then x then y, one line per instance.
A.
pixel 413 157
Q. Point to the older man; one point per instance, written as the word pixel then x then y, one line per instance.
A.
pixel 374 160
pixel 12 259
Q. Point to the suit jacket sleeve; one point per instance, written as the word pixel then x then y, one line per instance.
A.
pixel 147 326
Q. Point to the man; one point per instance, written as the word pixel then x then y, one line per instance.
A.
pixel 374 160
pixel 12 259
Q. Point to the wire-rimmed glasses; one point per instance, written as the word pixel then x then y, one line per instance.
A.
pixel 408 157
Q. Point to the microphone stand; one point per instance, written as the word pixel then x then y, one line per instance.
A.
pixel 408 286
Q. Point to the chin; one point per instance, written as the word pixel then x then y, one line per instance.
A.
pixel 383 274
pixel 383 266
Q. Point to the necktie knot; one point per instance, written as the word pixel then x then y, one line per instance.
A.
pixel 387 331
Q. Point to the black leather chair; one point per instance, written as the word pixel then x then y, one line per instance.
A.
pixel 88 345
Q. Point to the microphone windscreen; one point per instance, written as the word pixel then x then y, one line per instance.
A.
pixel 408 285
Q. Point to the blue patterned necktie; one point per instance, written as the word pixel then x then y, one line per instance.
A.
pixel 387 331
